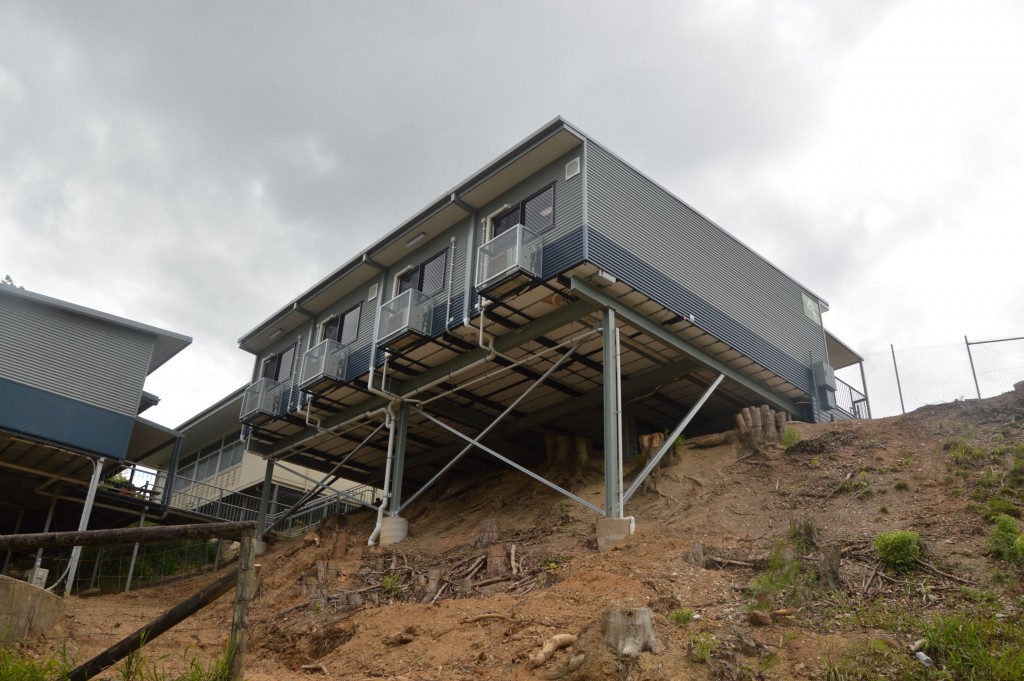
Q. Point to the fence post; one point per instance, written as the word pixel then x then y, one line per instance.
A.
pixel 135 554
pixel 244 590
pixel 899 388
pixel 970 358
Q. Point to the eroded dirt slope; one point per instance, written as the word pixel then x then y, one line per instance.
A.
pixel 363 615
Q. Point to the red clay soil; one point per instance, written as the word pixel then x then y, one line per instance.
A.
pixel 848 481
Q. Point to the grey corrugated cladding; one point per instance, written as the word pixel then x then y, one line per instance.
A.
pixel 73 356
pixel 749 303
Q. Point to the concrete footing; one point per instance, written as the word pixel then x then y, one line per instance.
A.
pixel 393 529
pixel 26 611
pixel 611 531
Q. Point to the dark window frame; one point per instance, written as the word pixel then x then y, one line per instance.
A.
pixel 275 362
pixel 342 326
pixel 519 211
pixel 418 273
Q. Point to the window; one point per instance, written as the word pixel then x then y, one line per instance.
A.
pixel 811 309
pixel 279 367
pixel 427 278
pixel 344 328
pixel 536 213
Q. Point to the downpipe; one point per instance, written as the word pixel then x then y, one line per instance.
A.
pixel 386 494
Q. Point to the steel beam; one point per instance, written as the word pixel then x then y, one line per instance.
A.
pixel 657 331
pixel 631 387
pixel 503 343
pixel 656 459
pixel 476 443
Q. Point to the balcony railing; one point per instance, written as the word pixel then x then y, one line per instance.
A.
pixel 325 360
pixel 513 251
pixel 851 400
pixel 262 398
pixel 406 312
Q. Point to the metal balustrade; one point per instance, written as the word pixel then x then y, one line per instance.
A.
pixel 851 400
pixel 324 360
pixel 407 312
pixel 516 250
pixel 262 398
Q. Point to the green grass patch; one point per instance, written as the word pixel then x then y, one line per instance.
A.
pixel 1002 543
pixel 977 646
pixel 681 617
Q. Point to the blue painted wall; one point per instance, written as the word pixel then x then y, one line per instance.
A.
pixel 63 421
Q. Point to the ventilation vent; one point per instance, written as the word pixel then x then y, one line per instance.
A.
pixel 372 293
pixel 572 168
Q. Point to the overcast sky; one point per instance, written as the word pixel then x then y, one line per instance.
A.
pixel 196 165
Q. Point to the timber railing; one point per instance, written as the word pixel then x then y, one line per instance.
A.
pixel 243 580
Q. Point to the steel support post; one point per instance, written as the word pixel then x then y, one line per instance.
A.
pixel 974 374
pixel 172 471
pixel 864 384
pixel 656 459
pixel 46 528
pixel 83 523
pixel 268 482
pixel 612 411
pixel 135 554
pixel 17 529
pixel 398 470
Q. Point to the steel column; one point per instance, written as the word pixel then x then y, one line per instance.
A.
pixel 17 529
pixel 656 459
pixel 398 470
pixel 612 412
pixel 83 523
pixel 46 528
pixel 135 554
pixel 268 481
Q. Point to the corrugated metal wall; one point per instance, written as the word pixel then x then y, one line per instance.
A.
pixel 747 302
pixel 568 199
pixel 73 356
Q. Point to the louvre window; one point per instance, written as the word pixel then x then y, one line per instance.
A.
pixel 279 367
pixel 427 278
pixel 536 213
pixel 344 328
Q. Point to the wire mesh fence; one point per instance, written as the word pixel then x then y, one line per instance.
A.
pixel 182 623
pixel 900 380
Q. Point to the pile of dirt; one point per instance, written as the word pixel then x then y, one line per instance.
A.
pixel 713 542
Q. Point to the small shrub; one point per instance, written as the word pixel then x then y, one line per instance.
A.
pixel 790 437
pixel 702 646
pixel 962 453
pixel 1003 540
pixel 391 585
pixel 681 617
pixel 901 486
pixel 899 549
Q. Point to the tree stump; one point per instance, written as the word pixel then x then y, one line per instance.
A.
pixel 568 457
pixel 768 423
pixel 433 584
pixel 781 419
pixel 828 566
pixel 489 533
pixel 696 555
pixel 497 566
pixel 650 443
pixel 629 632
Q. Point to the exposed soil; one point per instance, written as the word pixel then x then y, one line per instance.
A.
pixel 846 481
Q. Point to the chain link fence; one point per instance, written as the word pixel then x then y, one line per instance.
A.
pixel 900 380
